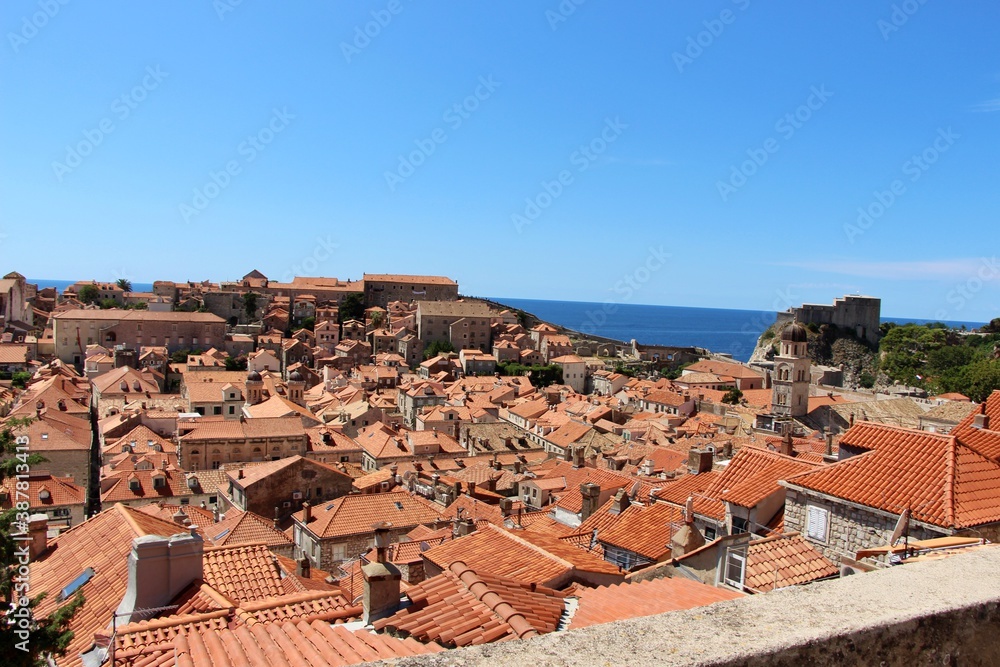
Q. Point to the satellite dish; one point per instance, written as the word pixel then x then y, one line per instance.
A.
pixel 904 520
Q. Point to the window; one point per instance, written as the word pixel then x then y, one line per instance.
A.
pixel 817 523
pixel 217 410
pixel 232 409
pixel 736 560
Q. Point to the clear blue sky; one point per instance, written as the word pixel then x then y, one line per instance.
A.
pixel 97 185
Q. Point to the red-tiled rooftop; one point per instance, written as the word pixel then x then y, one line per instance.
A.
pixel 645 598
pixel 785 560
pixel 460 608
pixel 940 480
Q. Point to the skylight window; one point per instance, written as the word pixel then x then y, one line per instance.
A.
pixel 75 585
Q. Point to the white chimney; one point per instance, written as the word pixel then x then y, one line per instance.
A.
pixel 159 568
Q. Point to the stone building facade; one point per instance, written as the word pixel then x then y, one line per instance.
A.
pixel 73 330
pixel 381 289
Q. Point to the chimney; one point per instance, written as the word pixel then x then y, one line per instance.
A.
pixel 981 420
pixel 699 461
pixel 464 527
pixel 38 532
pixel 381 591
pixel 180 518
pixel 621 502
pixel 302 567
pixel 786 443
pixel 274 521
pixel 306 513
pixel 517 467
pixel 505 506
pixel 578 457
pixel 648 467
pixel 239 474
pixel 159 568
pixel 215 514
pixel 591 497
pixel 829 444
pixel 727 449
pixel 472 488
pixel 568 454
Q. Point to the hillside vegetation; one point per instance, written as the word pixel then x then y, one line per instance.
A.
pixel 930 356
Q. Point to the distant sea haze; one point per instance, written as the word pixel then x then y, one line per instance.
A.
pixel 718 329
pixel 723 330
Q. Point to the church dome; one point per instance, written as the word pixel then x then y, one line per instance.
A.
pixel 796 333
pixel 253 376
pixel 295 377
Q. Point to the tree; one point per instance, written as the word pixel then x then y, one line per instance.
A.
pixel 376 319
pixel 437 347
pixel 250 305
pixel 732 396
pixel 108 304
pixel 20 379
pixel 139 305
pixel 867 380
pixel 352 307
pixel 236 363
pixel 125 284
pixel 50 635
pixel 89 294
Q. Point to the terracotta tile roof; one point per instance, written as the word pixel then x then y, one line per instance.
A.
pixel 986 441
pixel 242 573
pixel 102 543
pixel 57 491
pixel 355 514
pixel 753 474
pixel 785 560
pixel 645 598
pixel 461 608
pixel 57 431
pixel 118 486
pixel 141 440
pixel 522 556
pixel 729 368
pixel 943 482
pixel 239 528
pixel 644 530
pixel 305 606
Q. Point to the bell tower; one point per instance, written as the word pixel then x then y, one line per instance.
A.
pixel 790 393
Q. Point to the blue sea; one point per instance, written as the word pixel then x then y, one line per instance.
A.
pixel 60 285
pixel 718 329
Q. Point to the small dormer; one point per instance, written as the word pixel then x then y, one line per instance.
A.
pixel 134 485
pixel 159 481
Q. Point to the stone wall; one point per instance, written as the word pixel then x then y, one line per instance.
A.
pixel 850 528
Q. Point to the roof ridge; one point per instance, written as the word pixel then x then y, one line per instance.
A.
pixel 533 547
pixel 496 604
pixel 950 480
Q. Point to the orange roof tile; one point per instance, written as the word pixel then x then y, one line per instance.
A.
pixel 460 608
pixel 785 560
pixel 644 530
pixel 355 514
pixel 644 598
pixel 941 481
